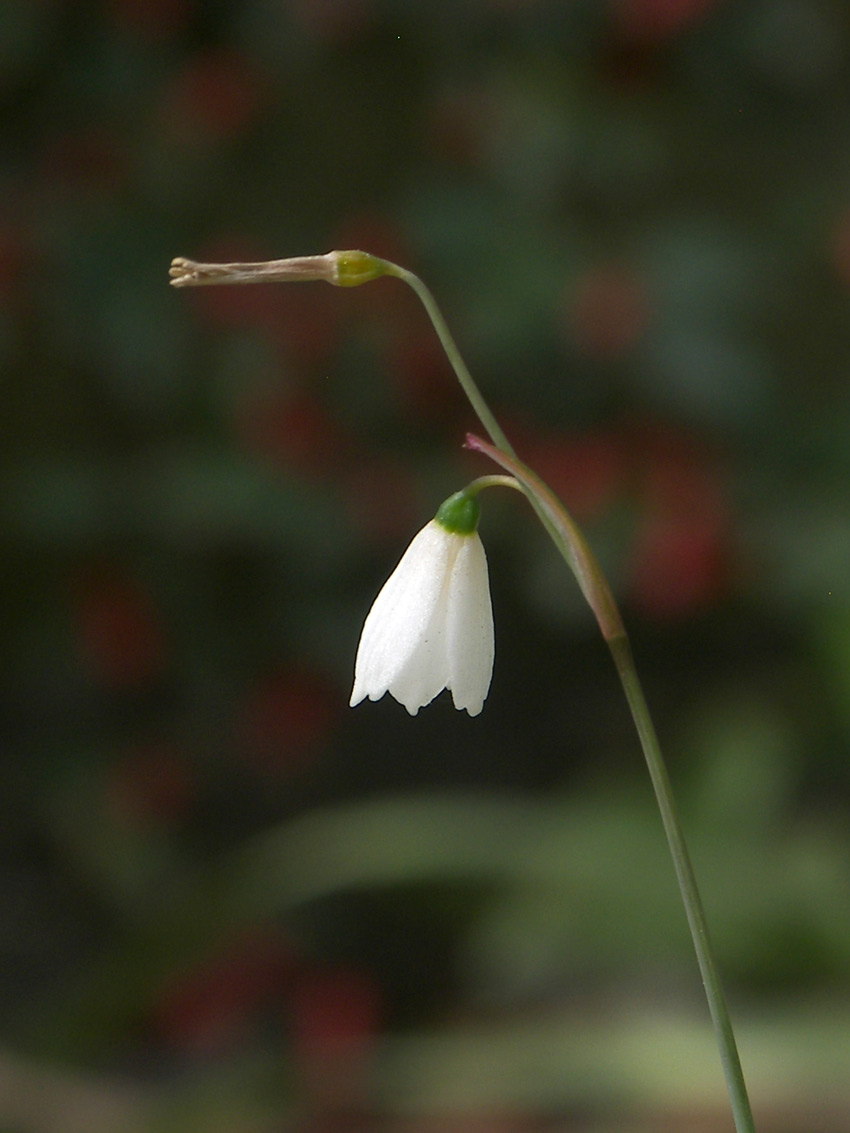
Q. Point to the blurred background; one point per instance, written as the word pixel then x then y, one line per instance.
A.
pixel 230 903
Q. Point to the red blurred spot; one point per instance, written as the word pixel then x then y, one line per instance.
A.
pixel 649 21
pixel 510 5
pixel 151 19
pixel 285 720
pixel 216 96
pixel 383 500
pixel 417 367
pixel 150 784
pixel 13 261
pixel 337 20
pixel 336 1016
pixel 680 559
pixel 335 1013
pixel 306 322
pixel 120 631
pixel 212 1007
pixel 678 566
pixel 457 126
pixel 840 248
pixel 483 1120
pixel 608 312
pixel 585 471
pixel 295 431
pixel 85 159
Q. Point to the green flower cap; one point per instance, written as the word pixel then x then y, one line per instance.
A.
pixel 352 268
pixel 459 514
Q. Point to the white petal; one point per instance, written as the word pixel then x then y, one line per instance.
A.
pixel 470 644
pixel 424 673
pixel 400 648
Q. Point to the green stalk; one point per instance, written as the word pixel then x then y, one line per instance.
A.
pixel 352 268
pixel 482 410
pixel 473 394
pixel 735 1084
pixel 572 545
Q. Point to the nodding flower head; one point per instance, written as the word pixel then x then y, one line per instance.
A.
pixel 431 626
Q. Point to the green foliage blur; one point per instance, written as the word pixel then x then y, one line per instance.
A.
pixel 229 902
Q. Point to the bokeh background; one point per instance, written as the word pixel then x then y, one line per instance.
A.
pixel 230 903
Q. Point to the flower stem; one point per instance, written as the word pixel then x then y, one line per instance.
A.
pixel 348 269
pixel 572 545
pixel 478 485
pixel 476 400
pixel 735 1084
pixel 467 383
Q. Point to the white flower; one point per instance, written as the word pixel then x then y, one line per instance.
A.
pixel 431 626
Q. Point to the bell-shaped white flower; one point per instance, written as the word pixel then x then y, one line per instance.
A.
pixel 431 626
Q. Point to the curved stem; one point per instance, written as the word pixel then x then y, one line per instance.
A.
pixel 574 548
pixel 476 399
pixel 565 534
pixel 348 269
pixel 466 380
pixel 482 482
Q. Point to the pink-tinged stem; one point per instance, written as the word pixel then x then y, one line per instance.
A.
pixel 569 538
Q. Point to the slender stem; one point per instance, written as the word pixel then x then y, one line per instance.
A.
pixel 476 400
pixel 565 535
pixel 466 380
pixel 572 545
pixel 735 1084
pixel 482 482
pixel 348 269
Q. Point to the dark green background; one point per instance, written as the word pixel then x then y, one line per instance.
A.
pixel 230 903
